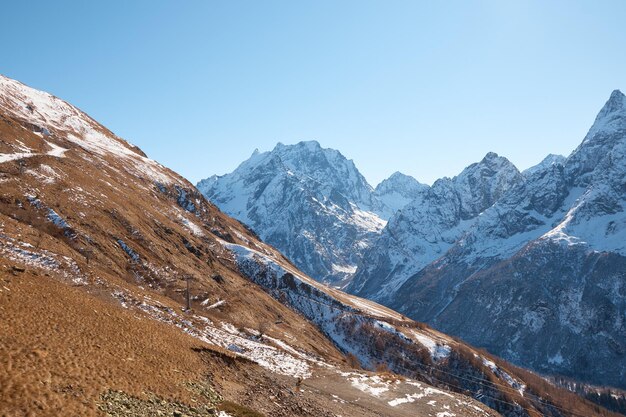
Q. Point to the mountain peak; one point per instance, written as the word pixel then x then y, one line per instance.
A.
pixel 613 110
pixel 399 176
pixel 398 179
pixel 495 162
pixel 617 94
pixel 490 156
pixel 309 144
pixel 610 120
pixel 306 145
pixel 615 103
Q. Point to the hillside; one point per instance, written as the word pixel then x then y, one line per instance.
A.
pixel 97 246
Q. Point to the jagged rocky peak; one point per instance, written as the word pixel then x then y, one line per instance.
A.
pixel 552 159
pixel 398 180
pixel 482 183
pixel 610 119
pixel 310 202
pixel 605 141
pixel 430 224
pixel 615 104
pixel 559 227
pixel 327 166
pixel 398 190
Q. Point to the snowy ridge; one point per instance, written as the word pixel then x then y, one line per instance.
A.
pixel 427 227
pixel 312 204
pixel 57 118
pixel 327 307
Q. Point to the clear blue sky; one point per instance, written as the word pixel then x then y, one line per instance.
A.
pixel 423 87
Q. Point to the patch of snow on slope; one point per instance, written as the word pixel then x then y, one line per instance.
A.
pixel 45 174
pixel 44 109
pixel 556 359
pixel 214 305
pixel 346 269
pixel 372 308
pixel 191 226
pixel 367 220
pixel 437 351
pixel 295 352
pixel 409 398
pixel 25 254
pixel 6 157
pixel 372 385
pixel 56 151
pixel 558 234
pixel 504 375
pixel 225 335
pixel 131 253
pixel 57 220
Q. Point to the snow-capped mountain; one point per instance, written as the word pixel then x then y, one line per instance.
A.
pixel 311 203
pixel 537 275
pixel 430 224
pixel 397 191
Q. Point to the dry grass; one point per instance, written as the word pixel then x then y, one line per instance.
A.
pixel 60 348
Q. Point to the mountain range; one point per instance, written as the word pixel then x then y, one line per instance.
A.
pixel 311 203
pixel 124 292
pixel 529 265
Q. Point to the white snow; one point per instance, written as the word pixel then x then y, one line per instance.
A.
pixel 45 174
pixel 57 220
pixel 56 150
pixel 556 359
pixel 129 251
pixel 309 202
pixel 409 398
pixel 25 254
pixel 5 157
pixel 191 226
pixel 437 350
pixel 373 308
pixel 504 375
pixel 372 385
pixel 214 305
pixel 345 269
pixel 367 220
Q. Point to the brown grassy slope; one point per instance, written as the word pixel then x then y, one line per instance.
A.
pixel 61 347
pixel 103 202
pixel 83 349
